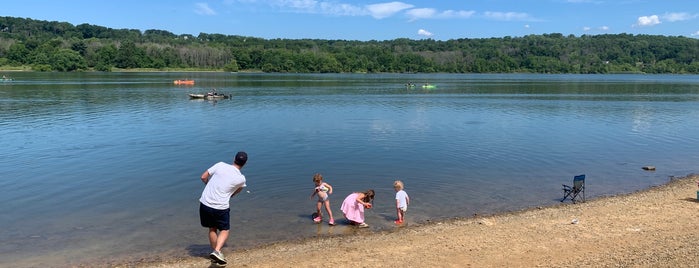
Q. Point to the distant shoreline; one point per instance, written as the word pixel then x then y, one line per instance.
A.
pixel 146 70
pixel 261 72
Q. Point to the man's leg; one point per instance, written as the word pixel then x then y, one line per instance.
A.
pixel 221 239
pixel 213 237
pixel 217 239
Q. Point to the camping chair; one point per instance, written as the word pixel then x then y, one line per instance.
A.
pixel 573 192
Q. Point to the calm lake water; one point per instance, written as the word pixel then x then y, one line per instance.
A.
pixel 106 165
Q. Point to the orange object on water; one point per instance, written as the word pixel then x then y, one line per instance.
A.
pixel 184 82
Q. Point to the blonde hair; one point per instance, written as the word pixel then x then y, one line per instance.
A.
pixel 317 178
pixel 398 185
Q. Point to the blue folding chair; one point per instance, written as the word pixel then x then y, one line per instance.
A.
pixel 577 189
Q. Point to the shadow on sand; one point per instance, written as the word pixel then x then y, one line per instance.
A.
pixel 689 199
pixel 202 251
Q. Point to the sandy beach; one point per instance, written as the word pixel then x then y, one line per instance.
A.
pixel 656 227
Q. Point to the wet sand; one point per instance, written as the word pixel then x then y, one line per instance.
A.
pixel 656 227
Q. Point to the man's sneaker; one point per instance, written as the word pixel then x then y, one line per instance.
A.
pixel 217 256
pixel 363 225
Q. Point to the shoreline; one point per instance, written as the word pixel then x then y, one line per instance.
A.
pixel 255 71
pixel 653 227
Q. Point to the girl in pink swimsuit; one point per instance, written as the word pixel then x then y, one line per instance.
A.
pixel 323 191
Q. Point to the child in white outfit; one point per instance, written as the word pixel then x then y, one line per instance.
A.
pixel 402 201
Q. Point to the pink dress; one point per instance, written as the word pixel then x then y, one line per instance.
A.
pixel 352 209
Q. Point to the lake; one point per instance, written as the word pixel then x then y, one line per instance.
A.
pixel 106 165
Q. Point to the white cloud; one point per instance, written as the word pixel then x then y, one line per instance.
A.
pixel 421 13
pixel 431 13
pixel 377 11
pixel 299 4
pixel 331 8
pixel 526 26
pixel 672 17
pixel 584 1
pixel 204 9
pixel 507 16
pixel 341 9
pixel 384 10
pixel 457 14
pixel 230 2
pixel 424 33
pixel 696 34
pixel 644 21
pixel 305 6
pixel 601 28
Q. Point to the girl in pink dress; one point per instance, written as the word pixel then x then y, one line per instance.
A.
pixel 354 205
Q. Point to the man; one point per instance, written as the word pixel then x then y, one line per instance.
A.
pixel 223 181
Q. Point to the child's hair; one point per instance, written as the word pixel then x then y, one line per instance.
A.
pixel 317 177
pixel 398 185
pixel 368 195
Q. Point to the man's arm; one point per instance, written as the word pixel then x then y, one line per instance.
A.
pixel 237 191
pixel 205 177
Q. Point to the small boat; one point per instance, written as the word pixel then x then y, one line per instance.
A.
pixel 209 96
pixel 184 82
pixel 429 86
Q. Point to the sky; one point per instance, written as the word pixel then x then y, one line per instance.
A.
pixel 373 20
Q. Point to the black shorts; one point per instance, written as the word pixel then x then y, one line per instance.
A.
pixel 214 218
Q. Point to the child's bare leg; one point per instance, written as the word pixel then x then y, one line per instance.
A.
pixel 327 208
pixel 318 205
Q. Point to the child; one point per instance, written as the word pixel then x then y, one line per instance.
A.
pixel 323 190
pixel 354 204
pixel 402 201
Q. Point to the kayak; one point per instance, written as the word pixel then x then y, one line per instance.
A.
pixel 183 82
pixel 209 96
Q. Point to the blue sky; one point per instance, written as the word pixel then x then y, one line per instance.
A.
pixel 374 20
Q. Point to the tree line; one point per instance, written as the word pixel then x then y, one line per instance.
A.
pixel 61 46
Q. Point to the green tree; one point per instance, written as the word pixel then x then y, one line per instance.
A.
pixel 66 60
pixel 36 43
pixel 105 58
pixel 231 66
pixel 18 53
pixel 129 56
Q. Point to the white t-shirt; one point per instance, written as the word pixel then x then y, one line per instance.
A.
pixel 224 181
pixel 402 198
